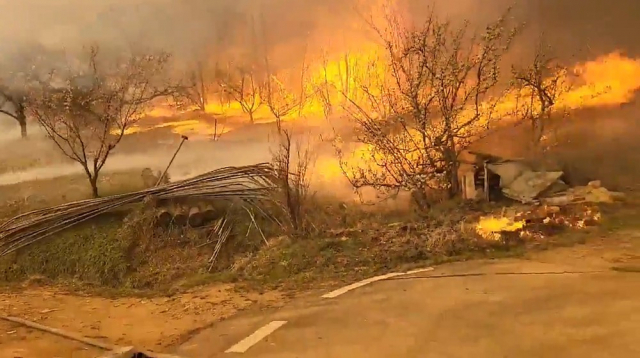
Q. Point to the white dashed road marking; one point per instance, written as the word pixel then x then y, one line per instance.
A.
pixel 256 337
pixel 353 286
pixel 261 333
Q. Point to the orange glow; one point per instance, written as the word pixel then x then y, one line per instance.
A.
pixel 191 127
pixel 609 80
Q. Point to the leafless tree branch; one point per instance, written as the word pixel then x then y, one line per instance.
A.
pixel 87 109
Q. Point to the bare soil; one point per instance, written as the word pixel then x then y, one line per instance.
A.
pixel 149 323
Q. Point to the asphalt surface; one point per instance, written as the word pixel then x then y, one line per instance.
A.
pixel 506 308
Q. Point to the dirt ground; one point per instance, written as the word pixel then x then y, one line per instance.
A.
pixel 152 324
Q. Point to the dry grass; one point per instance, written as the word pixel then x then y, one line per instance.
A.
pixel 351 242
pixel 348 243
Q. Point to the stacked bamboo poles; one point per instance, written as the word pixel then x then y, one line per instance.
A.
pixel 250 184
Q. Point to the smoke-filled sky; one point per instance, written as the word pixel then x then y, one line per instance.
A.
pixel 187 27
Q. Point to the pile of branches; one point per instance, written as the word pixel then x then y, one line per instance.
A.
pixel 252 185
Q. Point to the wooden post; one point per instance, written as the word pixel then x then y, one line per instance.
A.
pixel 184 138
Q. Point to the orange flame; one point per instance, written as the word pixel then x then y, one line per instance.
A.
pixel 609 80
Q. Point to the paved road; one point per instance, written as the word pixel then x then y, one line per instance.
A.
pixel 487 315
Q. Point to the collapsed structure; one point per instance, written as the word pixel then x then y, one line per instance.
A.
pixel 489 177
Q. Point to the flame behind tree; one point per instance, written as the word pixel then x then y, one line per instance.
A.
pixel 243 85
pixel 539 92
pixel 87 110
pixel 439 97
pixel 280 101
pixel 195 91
pixel 200 93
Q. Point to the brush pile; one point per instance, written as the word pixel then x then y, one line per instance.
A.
pixel 252 186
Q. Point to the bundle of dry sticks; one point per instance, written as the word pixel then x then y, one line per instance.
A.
pixel 250 184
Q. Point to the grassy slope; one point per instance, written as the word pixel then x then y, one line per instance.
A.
pixel 107 253
pixel 351 244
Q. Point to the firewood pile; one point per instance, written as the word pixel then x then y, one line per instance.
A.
pixel 250 186
pixel 192 214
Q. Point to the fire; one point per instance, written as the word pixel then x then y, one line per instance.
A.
pixel 609 80
pixel 538 222
pixel 490 227
pixel 190 127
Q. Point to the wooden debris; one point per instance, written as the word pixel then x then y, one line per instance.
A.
pixel 164 218
pixel 251 185
pixel 180 215
pixel 209 212
pixel 62 333
pixel 196 218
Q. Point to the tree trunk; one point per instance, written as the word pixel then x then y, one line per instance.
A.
pixel 93 180
pixel 454 185
pixel 251 117
pixel 22 120
pixel 452 163
pixel 23 129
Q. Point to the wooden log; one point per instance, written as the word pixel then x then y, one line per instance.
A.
pixel 196 217
pixel 180 215
pixel 164 218
pixel 61 333
pixel 209 213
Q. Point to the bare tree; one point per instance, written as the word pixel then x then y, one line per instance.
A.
pixel 292 162
pixel 201 92
pixel 194 92
pixel 279 100
pixel 323 91
pixel 87 108
pixel 539 88
pixel 439 95
pixel 339 80
pixel 14 82
pixel 13 104
pixel 243 86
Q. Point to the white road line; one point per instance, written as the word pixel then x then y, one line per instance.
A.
pixel 419 271
pixel 255 337
pixel 353 286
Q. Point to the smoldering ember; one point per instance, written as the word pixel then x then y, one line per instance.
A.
pixel 164 167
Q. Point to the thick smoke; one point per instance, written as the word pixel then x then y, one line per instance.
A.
pixel 187 28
